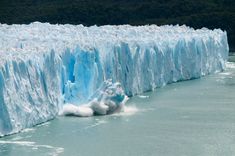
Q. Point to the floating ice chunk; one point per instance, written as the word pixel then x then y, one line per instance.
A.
pixel 99 107
pixel 81 111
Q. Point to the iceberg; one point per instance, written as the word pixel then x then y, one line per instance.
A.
pixel 44 67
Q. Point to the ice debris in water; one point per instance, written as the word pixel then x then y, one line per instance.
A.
pixel 109 98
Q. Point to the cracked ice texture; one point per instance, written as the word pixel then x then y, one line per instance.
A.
pixel 43 66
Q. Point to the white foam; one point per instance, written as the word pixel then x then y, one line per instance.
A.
pixel 28 130
pixel 230 65
pixel 23 143
pixel 226 73
pixel 44 124
pixel 55 150
pixel 127 111
pixel 143 96
pixel 81 111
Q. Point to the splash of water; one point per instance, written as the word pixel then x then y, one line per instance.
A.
pixel 108 99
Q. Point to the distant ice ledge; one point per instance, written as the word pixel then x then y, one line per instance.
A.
pixel 43 66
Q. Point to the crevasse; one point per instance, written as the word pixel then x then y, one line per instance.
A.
pixel 43 66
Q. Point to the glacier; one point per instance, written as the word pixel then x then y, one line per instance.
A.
pixel 43 67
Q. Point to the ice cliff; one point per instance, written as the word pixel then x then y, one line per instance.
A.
pixel 44 66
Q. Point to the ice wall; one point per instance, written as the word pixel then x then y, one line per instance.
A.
pixel 43 66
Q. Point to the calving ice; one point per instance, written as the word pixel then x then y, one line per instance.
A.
pixel 50 69
pixel 108 99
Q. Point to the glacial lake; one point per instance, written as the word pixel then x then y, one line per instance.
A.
pixel 188 118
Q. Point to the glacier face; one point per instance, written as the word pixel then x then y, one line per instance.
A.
pixel 44 66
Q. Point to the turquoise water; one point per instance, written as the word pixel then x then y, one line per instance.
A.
pixel 188 118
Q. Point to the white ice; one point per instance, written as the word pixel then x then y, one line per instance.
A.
pixel 44 66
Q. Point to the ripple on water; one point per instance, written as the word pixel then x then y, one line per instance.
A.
pixel 55 151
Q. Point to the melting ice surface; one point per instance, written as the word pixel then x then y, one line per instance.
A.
pixel 44 66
